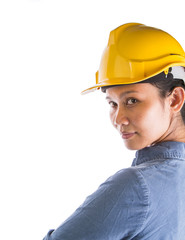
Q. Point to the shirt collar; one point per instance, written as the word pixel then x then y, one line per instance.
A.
pixel 163 150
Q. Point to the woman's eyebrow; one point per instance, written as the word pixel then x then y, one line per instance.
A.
pixel 107 98
pixel 123 94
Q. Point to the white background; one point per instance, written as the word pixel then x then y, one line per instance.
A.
pixel 56 146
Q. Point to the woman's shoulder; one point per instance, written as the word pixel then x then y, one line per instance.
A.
pixel 131 182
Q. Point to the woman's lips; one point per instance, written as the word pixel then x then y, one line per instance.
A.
pixel 127 135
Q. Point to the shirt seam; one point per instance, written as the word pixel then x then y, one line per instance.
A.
pixel 146 193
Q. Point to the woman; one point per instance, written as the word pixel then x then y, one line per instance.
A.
pixel 142 74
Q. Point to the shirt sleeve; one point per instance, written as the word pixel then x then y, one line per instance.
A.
pixel 117 210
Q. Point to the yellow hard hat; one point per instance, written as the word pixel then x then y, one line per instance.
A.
pixel 136 52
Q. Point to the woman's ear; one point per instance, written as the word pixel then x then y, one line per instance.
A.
pixel 177 98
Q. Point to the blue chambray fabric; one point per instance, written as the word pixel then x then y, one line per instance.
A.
pixel 145 201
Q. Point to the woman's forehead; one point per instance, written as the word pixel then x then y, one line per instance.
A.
pixel 121 90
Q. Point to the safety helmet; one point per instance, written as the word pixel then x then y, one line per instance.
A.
pixel 136 52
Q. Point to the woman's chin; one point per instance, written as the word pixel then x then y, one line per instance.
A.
pixel 132 145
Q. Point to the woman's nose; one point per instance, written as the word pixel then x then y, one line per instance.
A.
pixel 120 118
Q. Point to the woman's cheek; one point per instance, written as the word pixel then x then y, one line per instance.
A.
pixel 143 119
pixel 111 115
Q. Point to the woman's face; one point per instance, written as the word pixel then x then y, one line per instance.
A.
pixel 139 114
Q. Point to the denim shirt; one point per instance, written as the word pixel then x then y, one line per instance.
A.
pixel 145 201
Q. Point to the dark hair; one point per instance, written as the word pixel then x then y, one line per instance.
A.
pixel 165 84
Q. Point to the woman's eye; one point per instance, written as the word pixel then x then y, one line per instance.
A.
pixel 131 101
pixel 112 104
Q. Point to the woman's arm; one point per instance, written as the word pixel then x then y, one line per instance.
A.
pixel 115 211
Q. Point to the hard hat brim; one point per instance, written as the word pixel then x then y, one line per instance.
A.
pixel 124 81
